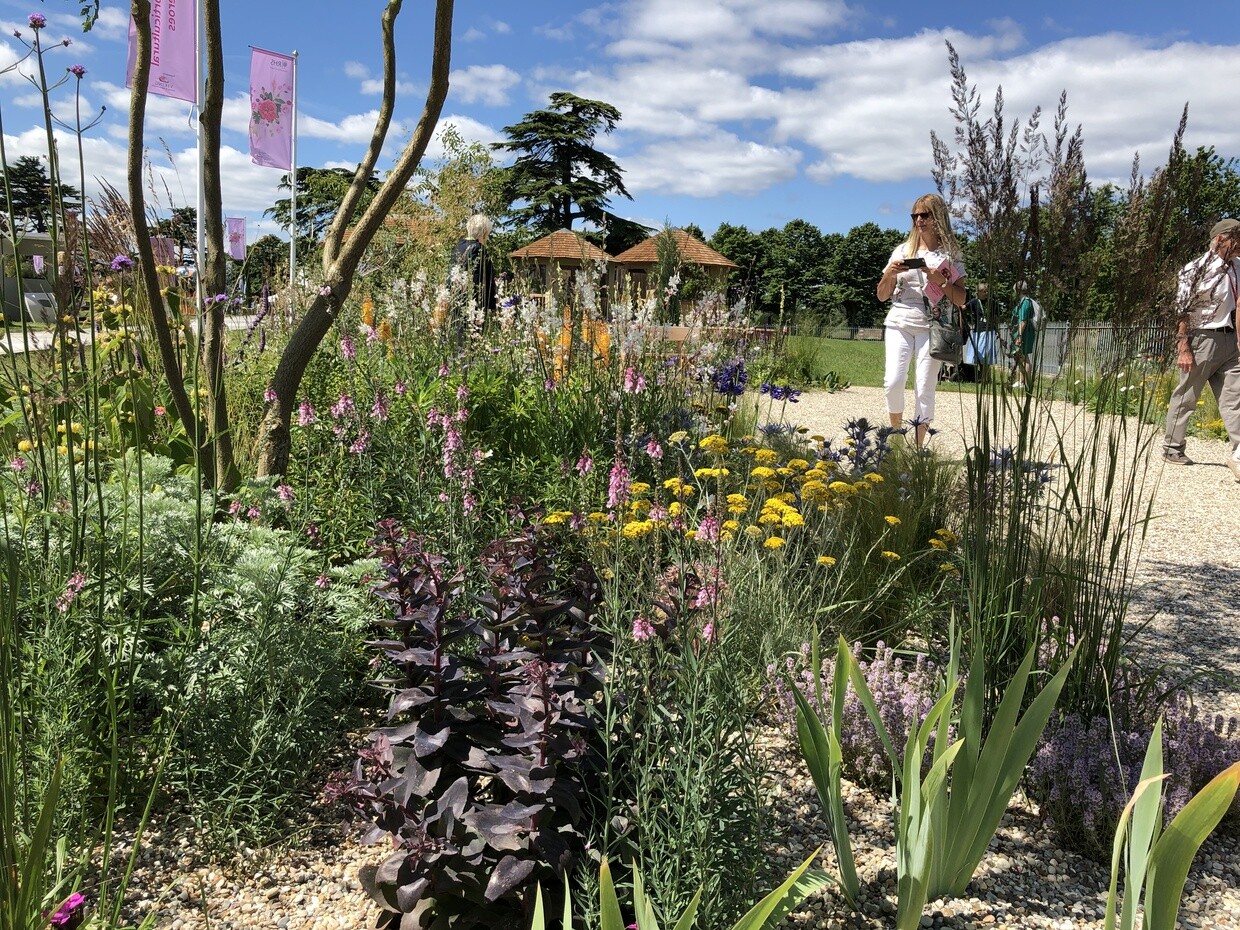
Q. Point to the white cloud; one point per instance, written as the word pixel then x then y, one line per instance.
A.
pixel 470 129
pixel 356 70
pixel 113 23
pixel 709 167
pixel 473 34
pixel 501 27
pixel 486 84
pixel 356 128
pixel 375 86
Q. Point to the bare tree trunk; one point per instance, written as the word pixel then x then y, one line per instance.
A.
pixel 140 10
pixel 214 275
pixel 340 256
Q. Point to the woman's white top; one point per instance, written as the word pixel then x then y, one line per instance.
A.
pixel 908 311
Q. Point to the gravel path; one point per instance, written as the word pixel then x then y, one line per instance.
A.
pixel 1188 587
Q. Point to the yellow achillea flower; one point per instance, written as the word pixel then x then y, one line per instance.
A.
pixel 793 519
pixel 597 517
pixel 841 487
pixel 24 445
pixel 557 516
pixel 763 472
pixel 890 556
pixel 678 436
pixel 771 485
pixel 874 478
pixel 675 509
pixel 738 500
pixel 817 438
pixel 784 470
pixel 639 506
pixel 748 450
pixel 949 568
pixel 773 542
pixel 711 473
pixel 730 526
pixel 638 487
pixel 798 464
pixel 947 536
pixel 862 486
pixel 816 474
pixel 814 491
pixel 786 497
pixel 827 560
pixel 938 544
pixel 768 516
pixel 754 532
pixel 691 534
pixel 892 520
pixel 637 529
pixel 766 456
pixel 715 444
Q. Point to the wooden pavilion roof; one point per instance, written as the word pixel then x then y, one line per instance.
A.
pixel 691 249
pixel 563 245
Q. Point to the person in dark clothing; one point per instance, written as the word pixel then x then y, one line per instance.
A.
pixel 471 262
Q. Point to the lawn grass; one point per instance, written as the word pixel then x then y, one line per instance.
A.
pixel 857 361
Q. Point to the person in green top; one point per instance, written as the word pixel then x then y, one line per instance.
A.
pixel 1024 325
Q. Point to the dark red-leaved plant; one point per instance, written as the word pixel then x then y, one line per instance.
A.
pixel 480 777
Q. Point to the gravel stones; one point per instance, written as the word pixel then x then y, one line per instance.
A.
pixel 1187 586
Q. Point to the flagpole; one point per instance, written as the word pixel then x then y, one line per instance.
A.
pixel 199 93
pixel 292 239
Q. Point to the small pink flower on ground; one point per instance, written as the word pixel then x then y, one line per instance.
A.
pixel 710 634
pixel 69 911
pixel 462 392
pixel 17 463
pixel 269 395
pixel 654 450
pixel 643 629
pixel 160 410
pixel 234 508
pixel 325 291
pixel 306 414
pixel 444 370
pixel 347 348
pixel 322 581
pixel 400 388
pixel 285 492
pixel 253 513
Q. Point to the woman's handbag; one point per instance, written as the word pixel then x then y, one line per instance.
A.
pixel 946 336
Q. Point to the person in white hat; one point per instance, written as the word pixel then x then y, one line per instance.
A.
pixel 1206 346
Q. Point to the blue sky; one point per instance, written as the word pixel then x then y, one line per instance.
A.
pixel 745 111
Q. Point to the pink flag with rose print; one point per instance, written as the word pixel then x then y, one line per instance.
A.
pixel 235 227
pixel 174 50
pixel 271 109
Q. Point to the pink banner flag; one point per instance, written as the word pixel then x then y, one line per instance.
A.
pixel 174 49
pixel 235 226
pixel 271 109
pixel 165 250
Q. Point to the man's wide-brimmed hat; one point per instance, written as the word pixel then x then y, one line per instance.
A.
pixel 1225 228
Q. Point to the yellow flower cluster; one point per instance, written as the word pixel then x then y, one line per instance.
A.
pixel 715 444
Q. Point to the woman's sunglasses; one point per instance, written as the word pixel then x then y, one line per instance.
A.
pixel 919 216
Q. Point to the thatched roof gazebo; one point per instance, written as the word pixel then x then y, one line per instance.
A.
pixel 640 260
pixel 564 248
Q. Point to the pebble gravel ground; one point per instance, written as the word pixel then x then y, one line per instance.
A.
pixel 1188 588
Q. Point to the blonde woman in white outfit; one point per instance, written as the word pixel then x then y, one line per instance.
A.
pixel 923 270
